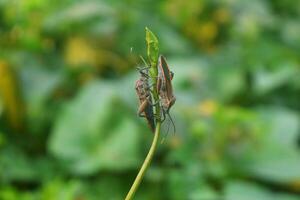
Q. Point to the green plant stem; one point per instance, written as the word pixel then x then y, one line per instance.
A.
pixel 145 165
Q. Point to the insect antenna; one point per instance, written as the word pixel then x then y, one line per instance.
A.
pixel 168 127
pixel 144 61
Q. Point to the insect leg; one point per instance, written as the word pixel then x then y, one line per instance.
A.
pixel 164 116
pixel 142 108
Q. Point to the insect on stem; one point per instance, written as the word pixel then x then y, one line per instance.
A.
pixel 165 88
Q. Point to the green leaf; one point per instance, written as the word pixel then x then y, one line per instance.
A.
pixel 240 190
pixel 204 192
pixel 96 132
pixel 58 189
pixel 188 183
pixel 276 163
pixel 265 81
pixel 39 84
pixel 83 15
pixel 1 106
pixel 229 81
pixel 152 47
pixel 284 125
pixel 20 167
pixel 107 187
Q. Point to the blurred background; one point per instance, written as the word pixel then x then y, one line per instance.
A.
pixel 68 123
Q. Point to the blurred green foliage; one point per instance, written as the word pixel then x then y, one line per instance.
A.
pixel 68 124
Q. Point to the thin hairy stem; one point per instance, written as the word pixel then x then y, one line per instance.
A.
pixel 145 165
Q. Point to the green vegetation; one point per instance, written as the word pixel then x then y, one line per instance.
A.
pixel 68 123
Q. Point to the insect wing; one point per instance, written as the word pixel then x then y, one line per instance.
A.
pixel 164 68
pixel 165 78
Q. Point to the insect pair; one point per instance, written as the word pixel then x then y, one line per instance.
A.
pixel 164 89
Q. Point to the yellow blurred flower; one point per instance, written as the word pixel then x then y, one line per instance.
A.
pixel 11 96
pixel 295 185
pixel 210 154
pixel 222 15
pixel 175 142
pixel 181 11
pixel 204 33
pixel 79 52
pixel 207 32
pixel 208 107
pixel 83 52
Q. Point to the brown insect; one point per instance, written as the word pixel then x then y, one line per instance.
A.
pixel 165 88
pixel 145 103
